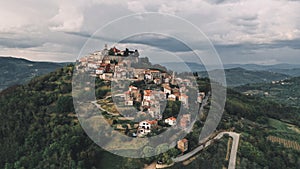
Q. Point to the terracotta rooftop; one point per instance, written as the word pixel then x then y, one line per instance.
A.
pixel 172 118
pixel 151 121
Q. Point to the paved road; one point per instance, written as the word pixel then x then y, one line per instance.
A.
pixel 188 155
pixel 234 149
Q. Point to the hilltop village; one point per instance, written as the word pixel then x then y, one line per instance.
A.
pixel 156 94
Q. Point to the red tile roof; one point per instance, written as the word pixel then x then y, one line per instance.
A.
pixel 172 118
pixel 151 121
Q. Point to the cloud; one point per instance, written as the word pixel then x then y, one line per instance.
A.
pixel 17 15
pixel 246 21
pixel 136 6
pixel 159 41
pixel 19 43
pixel 69 18
pixel 242 30
pixel 86 35
pixel 293 44
pixel 165 8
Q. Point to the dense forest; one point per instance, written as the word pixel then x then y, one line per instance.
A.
pixel 39 129
pixel 257 119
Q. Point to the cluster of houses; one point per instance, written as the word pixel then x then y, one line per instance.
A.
pixel 151 100
pixel 146 126
pixel 110 64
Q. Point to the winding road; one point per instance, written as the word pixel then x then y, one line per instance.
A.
pixel 233 153
pixel 234 148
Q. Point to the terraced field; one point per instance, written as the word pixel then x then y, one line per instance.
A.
pixel 284 130
pixel 286 143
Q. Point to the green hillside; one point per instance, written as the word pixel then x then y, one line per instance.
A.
pixel 239 76
pixel 284 92
pixel 294 72
pixel 17 71
pixel 40 130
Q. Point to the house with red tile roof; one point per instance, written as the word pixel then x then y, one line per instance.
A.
pixel 145 127
pixel 171 121
pixel 148 95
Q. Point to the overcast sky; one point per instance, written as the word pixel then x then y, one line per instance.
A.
pixel 242 31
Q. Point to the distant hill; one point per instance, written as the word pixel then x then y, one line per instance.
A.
pixel 295 72
pixel 17 71
pixel 287 69
pixel 181 67
pixel 262 67
pixel 285 91
pixel 239 76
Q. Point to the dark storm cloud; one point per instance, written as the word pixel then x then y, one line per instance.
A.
pixel 88 35
pixel 283 51
pixel 154 40
pixel 159 41
pixel 19 43
pixel 293 44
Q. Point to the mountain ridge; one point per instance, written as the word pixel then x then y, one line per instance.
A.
pixel 240 76
pixel 17 71
pixel 199 67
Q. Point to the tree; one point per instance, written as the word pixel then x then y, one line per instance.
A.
pixel 65 104
pixel 166 158
pixel 161 148
pixel 148 151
